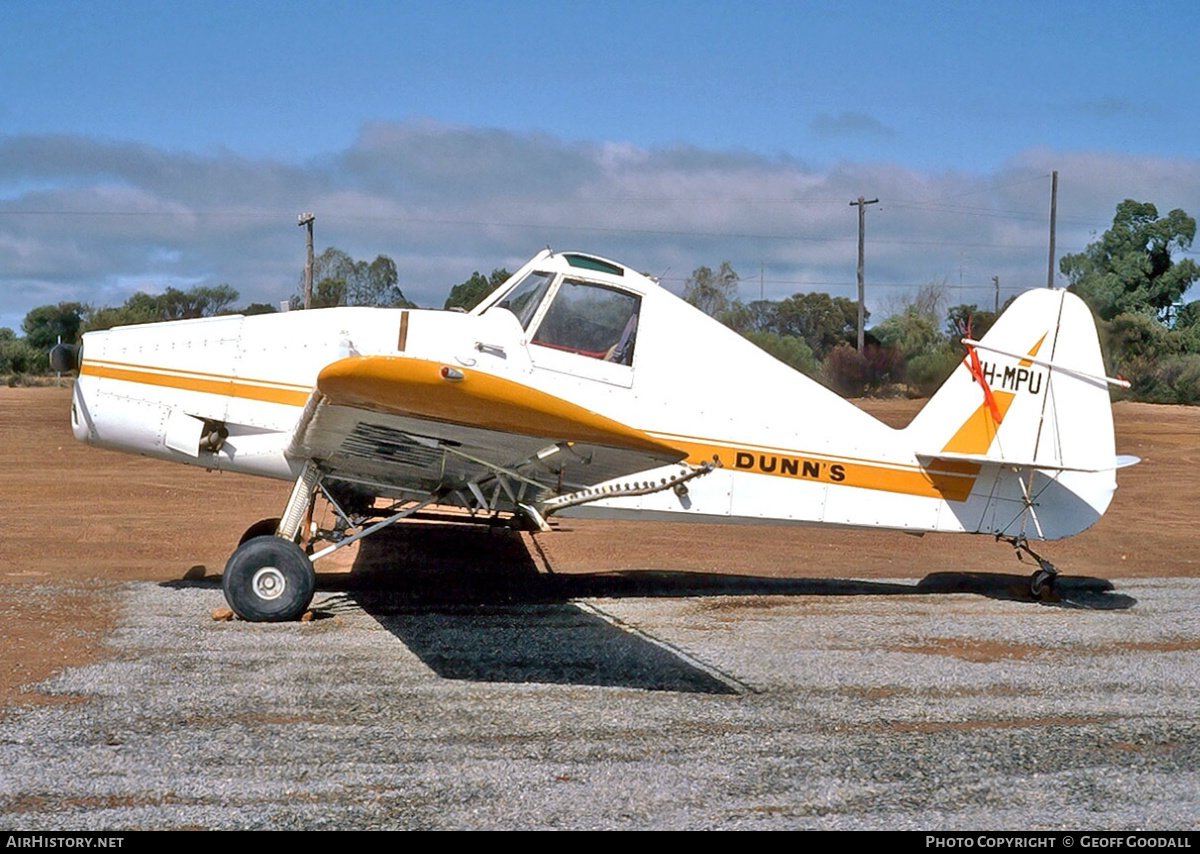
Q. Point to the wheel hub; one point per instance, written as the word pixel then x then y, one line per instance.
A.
pixel 268 583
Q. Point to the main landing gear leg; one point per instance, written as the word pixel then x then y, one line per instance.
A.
pixel 1041 583
pixel 269 578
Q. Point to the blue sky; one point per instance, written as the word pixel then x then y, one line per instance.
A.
pixel 150 144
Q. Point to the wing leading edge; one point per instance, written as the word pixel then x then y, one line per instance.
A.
pixel 399 424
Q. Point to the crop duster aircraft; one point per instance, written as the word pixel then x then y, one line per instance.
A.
pixel 582 388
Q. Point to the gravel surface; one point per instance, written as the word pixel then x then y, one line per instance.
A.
pixel 881 710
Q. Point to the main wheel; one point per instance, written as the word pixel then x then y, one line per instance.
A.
pixel 268 580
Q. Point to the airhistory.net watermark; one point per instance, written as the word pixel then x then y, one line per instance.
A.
pixel 61 840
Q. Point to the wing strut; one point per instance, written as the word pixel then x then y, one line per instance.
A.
pixel 371 529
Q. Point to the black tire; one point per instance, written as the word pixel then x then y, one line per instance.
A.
pixel 1041 585
pixel 261 528
pixel 268 580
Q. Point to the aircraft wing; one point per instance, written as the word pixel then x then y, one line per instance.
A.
pixel 397 424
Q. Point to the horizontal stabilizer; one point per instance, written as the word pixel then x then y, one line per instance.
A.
pixel 1119 462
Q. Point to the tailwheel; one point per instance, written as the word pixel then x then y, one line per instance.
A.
pixel 268 580
pixel 1041 583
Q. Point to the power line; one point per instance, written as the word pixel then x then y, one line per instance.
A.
pixel 537 226
pixel 851 284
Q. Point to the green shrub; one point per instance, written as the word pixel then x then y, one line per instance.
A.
pixel 927 372
pixel 18 356
pixel 1139 336
pixel 854 374
pixel 788 349
pixel 1181 375
pixel 1173 379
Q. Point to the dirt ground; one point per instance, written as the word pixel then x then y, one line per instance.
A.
pixel 77 520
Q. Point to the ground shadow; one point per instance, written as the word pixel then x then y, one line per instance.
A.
pixel 555 643
pixel 443 565
pixel 474 604
pixel 435 566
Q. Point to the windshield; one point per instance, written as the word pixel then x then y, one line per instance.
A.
pixel 524 299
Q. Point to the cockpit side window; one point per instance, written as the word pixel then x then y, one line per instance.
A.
pixel 524 299
pixel 593 321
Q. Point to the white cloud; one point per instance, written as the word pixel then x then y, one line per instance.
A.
pixel 92 220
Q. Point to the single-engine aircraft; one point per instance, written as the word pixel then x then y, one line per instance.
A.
pixel 583 388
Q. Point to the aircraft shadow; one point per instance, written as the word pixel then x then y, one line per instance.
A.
pixel 432 566
pixel 472 604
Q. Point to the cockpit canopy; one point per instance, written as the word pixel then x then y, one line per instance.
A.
pixel 575 304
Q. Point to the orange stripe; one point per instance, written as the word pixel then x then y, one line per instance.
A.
pixel 679 440
pixel 934 481
pixel 952 481
pixel 414 387
pixel 203 383
pixel 1025 363
pixel 944 465
pixel 977 432
pixel 160 369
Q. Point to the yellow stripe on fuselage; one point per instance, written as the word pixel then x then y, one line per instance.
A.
pixel 951 480
pixel 265 391
pixel 499 404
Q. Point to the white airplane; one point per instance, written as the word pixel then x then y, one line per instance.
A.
pixel 583 388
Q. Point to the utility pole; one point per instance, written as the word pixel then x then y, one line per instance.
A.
pixel 1053 222
pixel 996 282
pixel 862 226
pixel 307 219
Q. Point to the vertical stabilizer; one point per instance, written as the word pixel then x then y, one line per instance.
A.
pixel 1030 406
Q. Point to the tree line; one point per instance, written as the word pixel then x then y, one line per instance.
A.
pixel 1130 277
pixel 911 352
pixel 338 279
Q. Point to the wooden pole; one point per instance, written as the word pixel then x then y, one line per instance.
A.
pixel 1053 222
pixel 306 219
pixel 862 203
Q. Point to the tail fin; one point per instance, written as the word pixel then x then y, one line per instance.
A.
pixel 1036 400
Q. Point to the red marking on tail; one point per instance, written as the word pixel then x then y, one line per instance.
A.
pixel 976 370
